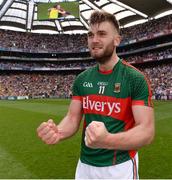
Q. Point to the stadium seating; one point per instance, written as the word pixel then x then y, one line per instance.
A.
pixel 53 61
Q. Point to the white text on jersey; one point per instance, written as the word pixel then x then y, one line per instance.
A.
pixel 111 107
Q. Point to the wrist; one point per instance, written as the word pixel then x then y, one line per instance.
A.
pixel 109 142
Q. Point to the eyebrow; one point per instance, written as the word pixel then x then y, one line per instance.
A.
pixel 89 32
pixel 99 31
pixel 102 31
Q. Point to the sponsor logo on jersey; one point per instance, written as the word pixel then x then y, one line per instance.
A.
pixel 117 87
pixel 102 83
pixel 97 106
pixel 88 84
pixel 118 108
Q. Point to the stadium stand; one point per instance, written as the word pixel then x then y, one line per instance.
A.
pixel 31 42
pixel 39 65
pixel 148 30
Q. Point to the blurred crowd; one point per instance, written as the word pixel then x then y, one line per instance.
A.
pixel 151 56
pixel 59 85
pixel 148 29
pixel 42 65
pixel 55 85
pixel 137 58
pixel 31 42
pixel 161 80
pixel 36 85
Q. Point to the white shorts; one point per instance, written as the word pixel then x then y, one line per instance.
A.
pixel 126 170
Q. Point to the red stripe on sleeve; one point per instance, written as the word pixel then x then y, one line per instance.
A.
pixel 77 98
pixel 150 103
pixel 138 102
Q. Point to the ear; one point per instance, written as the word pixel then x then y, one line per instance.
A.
pixel 117 40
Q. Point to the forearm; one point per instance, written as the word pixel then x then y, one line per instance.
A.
pixel 67 127
pixel 71 122
pixel 97 136
pixel 134 138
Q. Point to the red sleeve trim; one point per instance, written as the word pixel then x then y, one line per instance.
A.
pixel 77 98
pixel 138 102
pixel 150 103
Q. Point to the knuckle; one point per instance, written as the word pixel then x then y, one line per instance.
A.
pixel 43 138
pixel 54 139
pixel 39 135
pixel 93 139
pixel 50 120
pixel 44 124
pixel 48 136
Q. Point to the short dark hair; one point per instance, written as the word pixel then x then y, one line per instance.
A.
pixel 55 6
pixel 98 17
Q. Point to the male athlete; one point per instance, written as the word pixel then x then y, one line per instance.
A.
pixel 57 12
pixel 115 99
pixel 53 13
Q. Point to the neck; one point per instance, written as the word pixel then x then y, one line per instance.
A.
pixel 109 64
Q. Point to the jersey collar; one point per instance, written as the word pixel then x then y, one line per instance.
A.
pixel 108 71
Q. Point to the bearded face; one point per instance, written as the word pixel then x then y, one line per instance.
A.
pixel 102 52
pixel 101 41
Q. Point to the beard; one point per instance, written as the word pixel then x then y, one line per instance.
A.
pixel 104 55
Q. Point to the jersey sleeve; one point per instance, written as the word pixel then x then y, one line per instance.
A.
pixel 76 95
pixel 141 91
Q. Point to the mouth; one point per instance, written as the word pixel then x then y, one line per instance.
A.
pixel 96 48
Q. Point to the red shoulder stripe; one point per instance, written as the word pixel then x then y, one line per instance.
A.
pixel 147 80
pixel 77 98
pixel 138 102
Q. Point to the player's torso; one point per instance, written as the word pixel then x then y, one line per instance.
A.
pixel 106 98
pixel 107 95
pixel 53 13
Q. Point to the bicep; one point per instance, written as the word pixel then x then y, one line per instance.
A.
pixel 144 117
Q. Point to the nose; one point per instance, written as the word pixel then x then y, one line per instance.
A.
pixel 95 39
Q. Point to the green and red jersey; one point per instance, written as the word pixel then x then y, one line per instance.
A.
pixel 108 97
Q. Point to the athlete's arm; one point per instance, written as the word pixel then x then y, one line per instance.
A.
pixel 51 133
pixel 141 134
pixel 70 123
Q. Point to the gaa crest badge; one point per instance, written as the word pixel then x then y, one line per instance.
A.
pixel 117 87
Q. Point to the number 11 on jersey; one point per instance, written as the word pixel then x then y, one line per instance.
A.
pixel 101 89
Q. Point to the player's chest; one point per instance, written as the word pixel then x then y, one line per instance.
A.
pixel 114 87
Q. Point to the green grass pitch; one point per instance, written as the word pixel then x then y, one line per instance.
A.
pixel 24 156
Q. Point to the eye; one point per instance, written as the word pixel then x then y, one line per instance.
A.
pixel 90 35
pixel 102 33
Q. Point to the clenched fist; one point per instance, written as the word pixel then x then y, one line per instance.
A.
pixel 48 132
pixel 96 135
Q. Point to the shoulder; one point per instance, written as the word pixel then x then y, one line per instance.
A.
pixel 132 72
pixel 87 73
pixel 138 82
